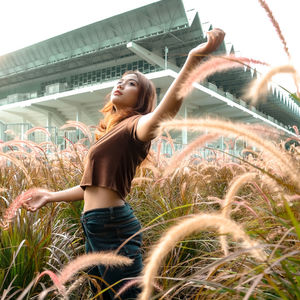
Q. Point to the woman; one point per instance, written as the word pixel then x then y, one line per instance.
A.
pixel 124 140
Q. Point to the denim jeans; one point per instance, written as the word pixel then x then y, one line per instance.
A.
pixel 106 229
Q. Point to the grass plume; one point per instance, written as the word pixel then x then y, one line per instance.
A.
pixel 240 130
pixel 266 7
pixel 17 203
pixel 226 205
pixel 211 66
pixel 233 190
pixel 18 163
pixel 79 125
pixel 259 87
pixel 41 129
pixel 178 158
pixel 83 262
pixel 191 225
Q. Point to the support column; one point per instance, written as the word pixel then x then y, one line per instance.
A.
pixel 184 130
pixel 23 128
pixel 158 90
pixel 222 146
pixel 78 118
pixel 78 115
pixel 166 57
pixel 2 129
pixel 49 125
pixel 49 119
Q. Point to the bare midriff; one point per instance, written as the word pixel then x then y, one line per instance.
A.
pixel 99 197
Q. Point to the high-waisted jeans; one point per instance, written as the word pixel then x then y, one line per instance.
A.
pixel 106 229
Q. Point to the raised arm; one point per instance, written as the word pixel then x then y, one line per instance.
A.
pixel 41 197
pixel 171 102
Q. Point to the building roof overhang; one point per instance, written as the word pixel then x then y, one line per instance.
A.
pixel 87 101
pixel 142 33
pixel 155 19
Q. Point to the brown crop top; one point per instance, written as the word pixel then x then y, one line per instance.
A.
pixel 111 161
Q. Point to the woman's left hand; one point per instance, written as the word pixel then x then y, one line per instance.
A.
pixel 38 199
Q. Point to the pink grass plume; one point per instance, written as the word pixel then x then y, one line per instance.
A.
pixel 40 129
pixel 79 125
pixel 187 226
pixel 211 66
pixel 179 157
pixel 266 7
pixel 259 88
pixel 17 203
pixel 235 186
pixel 55 278
pixel 83 262
pixel 296 129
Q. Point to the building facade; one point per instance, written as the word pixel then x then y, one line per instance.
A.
pixel 67 77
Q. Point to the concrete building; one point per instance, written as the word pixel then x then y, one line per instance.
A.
pixel 67 77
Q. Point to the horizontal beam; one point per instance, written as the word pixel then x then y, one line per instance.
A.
pixel 150 57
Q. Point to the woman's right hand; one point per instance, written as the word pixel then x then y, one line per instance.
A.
pixel 215 38
pixel 37 199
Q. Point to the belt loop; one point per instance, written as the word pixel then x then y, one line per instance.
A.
pixel 112 213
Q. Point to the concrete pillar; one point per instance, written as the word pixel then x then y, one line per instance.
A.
pixel 166 57
pixel 49 119
pixel 184 130
pixel 49 125
pixel 222 146
pixel 78 118
pixel 2 129
pixel 158 92
pixel 23 128
pixel 78 115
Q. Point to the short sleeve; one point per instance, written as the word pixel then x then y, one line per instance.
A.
pixel 131 127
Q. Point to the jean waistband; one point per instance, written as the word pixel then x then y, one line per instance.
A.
pixel 107 210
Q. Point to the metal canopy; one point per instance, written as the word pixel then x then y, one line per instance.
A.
pixel 153 19
pixel 103 44
pixel 276 105
pixel 87 102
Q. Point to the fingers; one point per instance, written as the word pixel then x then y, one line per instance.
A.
pixel 27 205
pixel 215 38
pixel 216 35
pixel 30 208
pixel 217 32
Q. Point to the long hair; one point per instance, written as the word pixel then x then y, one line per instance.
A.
pixel 145 104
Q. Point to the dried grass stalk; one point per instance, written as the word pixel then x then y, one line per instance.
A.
pixel 82 262
pixel 41 129
pixel 237 183
pixel 84 128
pixel 242 131
pixel 188 226
pixel 11 211
pixel 259 87
pixel 18 163
pixel 178 158
pixel 266 7
pixel 211 66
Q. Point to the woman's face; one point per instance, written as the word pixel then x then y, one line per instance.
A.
pixel 125 92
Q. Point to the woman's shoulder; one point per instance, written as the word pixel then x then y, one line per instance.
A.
pixel 132 120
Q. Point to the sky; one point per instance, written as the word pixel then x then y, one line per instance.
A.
pixel 246 24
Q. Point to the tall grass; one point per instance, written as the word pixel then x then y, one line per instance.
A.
pixel 48 238
pixel 260 196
